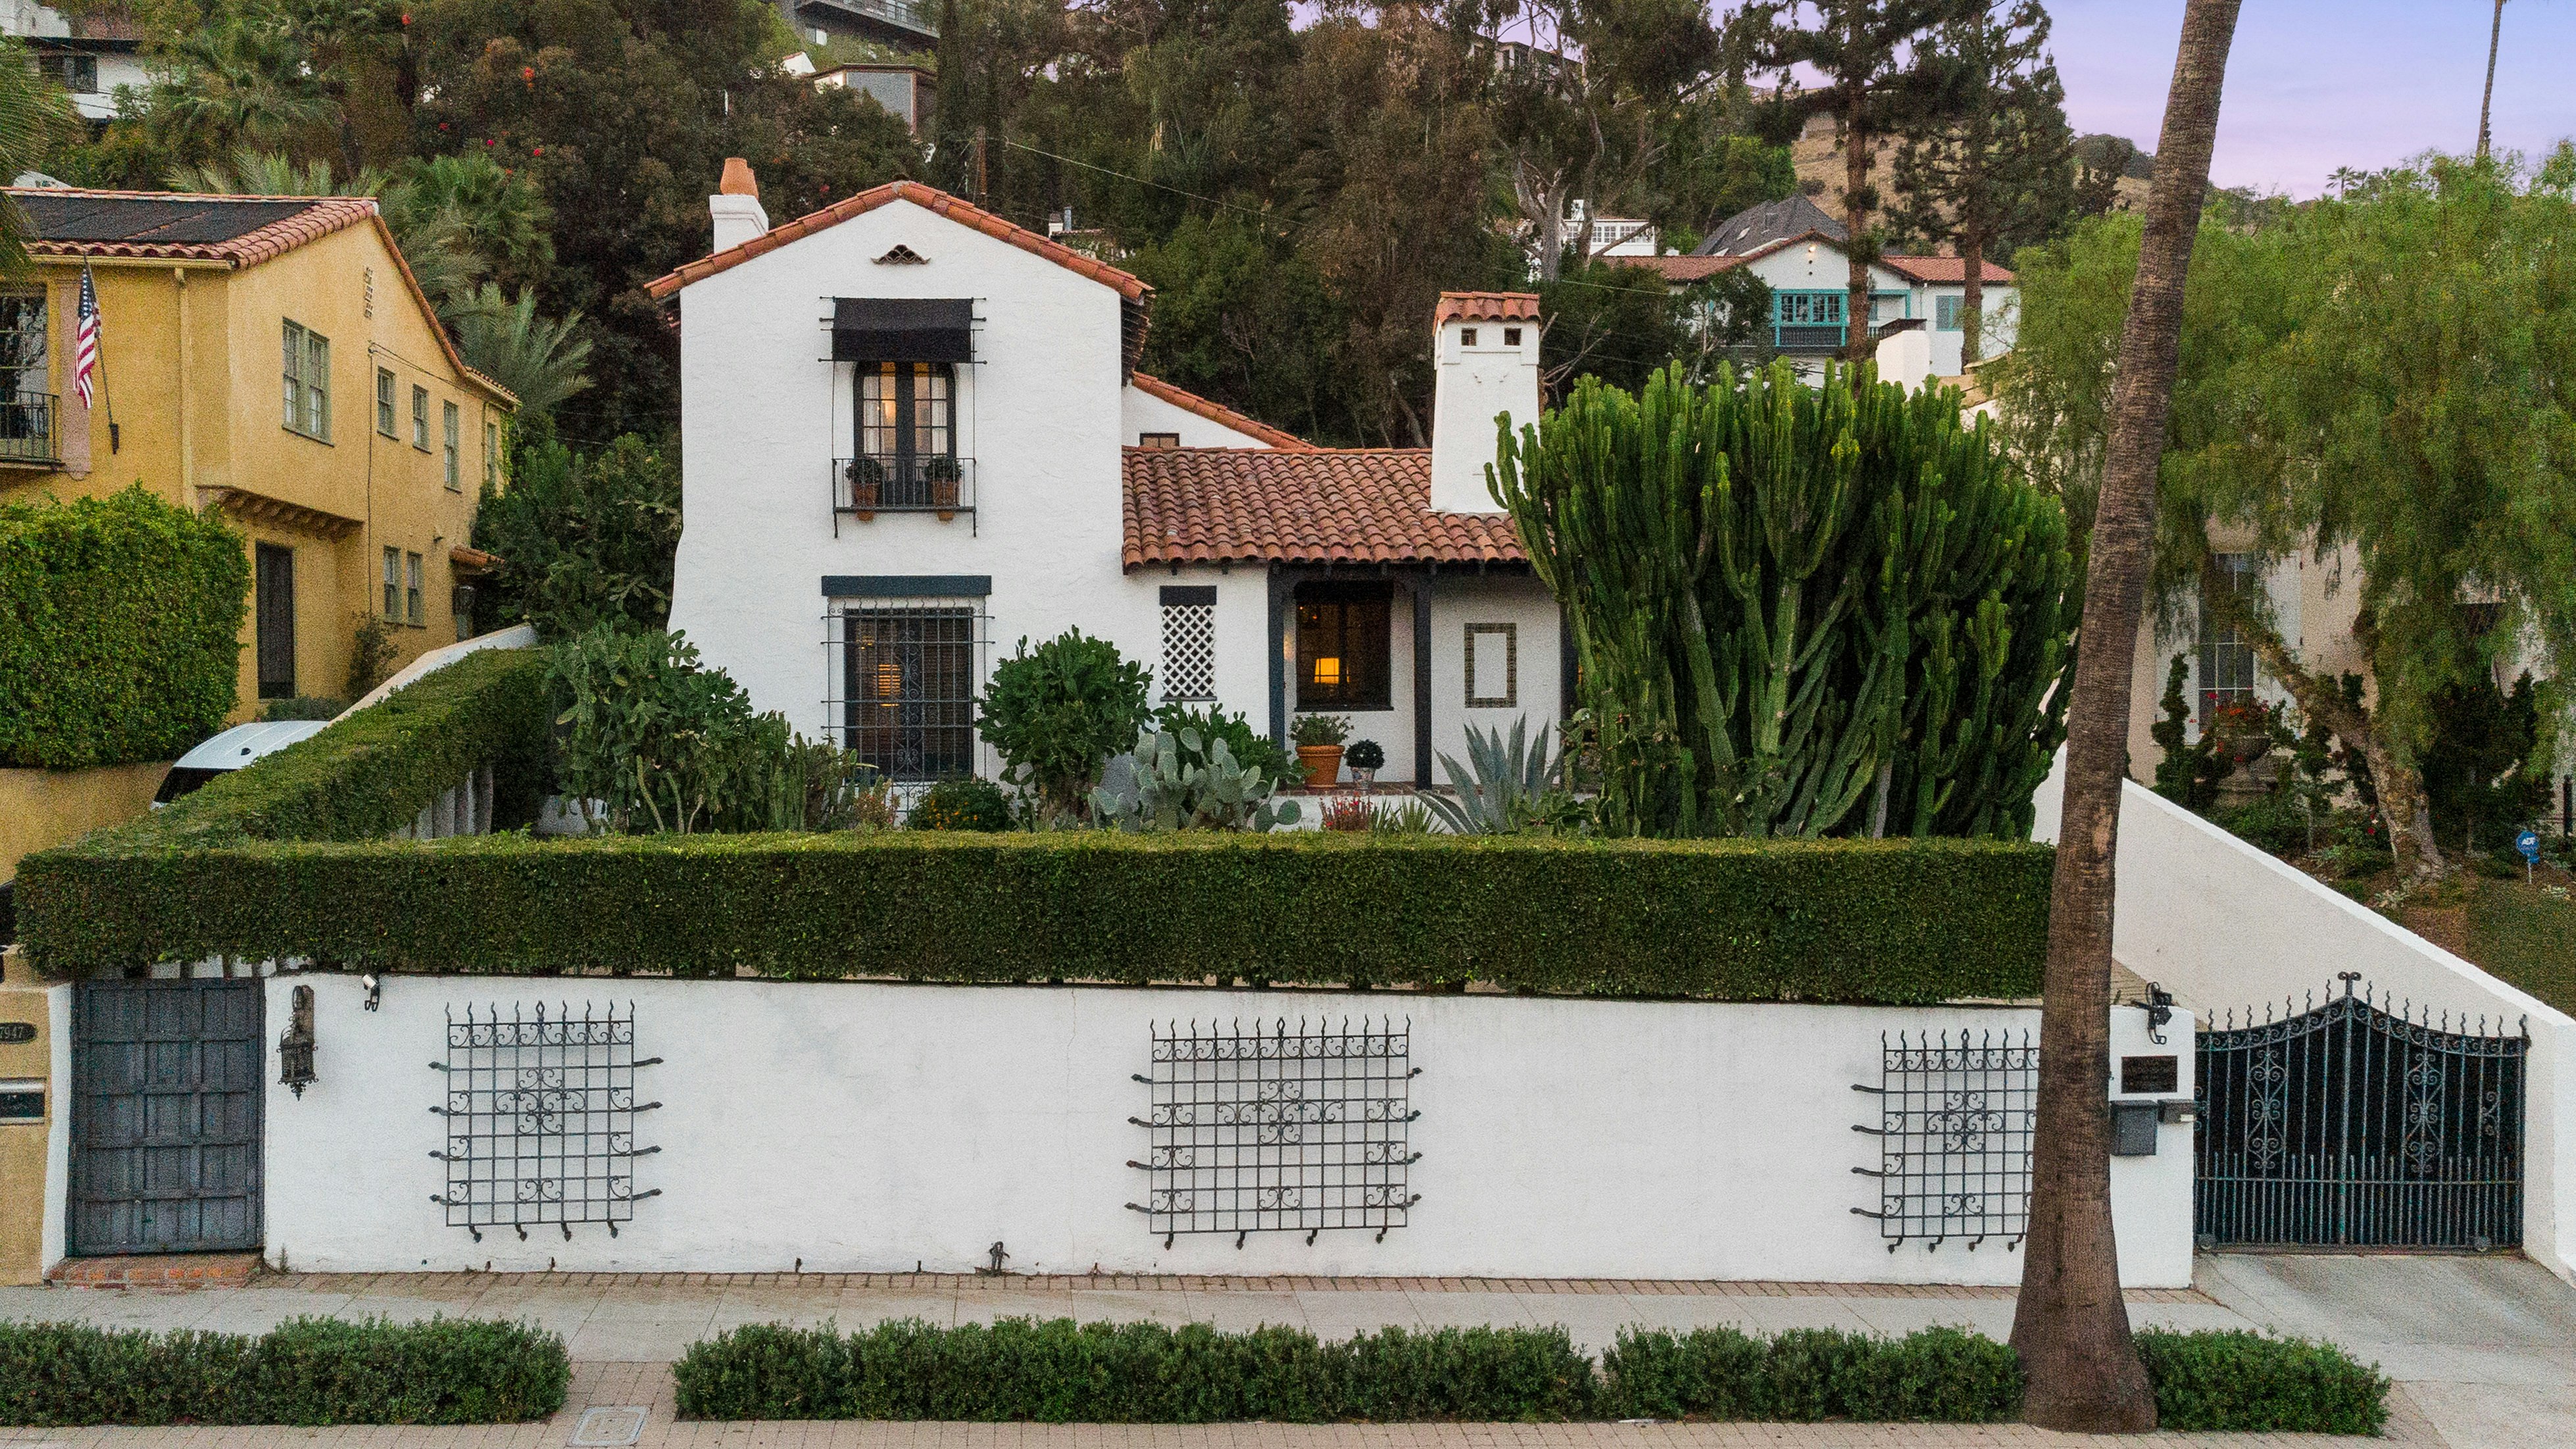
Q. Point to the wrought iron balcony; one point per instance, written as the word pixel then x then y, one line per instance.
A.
pixel 1808 337
pixel 27 428
pixel 868 485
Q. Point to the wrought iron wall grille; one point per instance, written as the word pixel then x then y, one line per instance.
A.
pixel 1274 1130
pixel 1189 648
pixel 540 1116
pixel 903 683
pixel 2354 1124
pixel 1954 1133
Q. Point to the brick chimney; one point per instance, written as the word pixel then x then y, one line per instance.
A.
pixel 1484 354
pixel 736 206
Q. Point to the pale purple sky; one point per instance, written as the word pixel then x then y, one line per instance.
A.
pixel 2317 84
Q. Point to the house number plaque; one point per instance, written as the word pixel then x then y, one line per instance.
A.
pixel 17 1033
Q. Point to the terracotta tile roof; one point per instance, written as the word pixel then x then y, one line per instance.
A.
pixel 179 226
pixel 1325 505
pixel 72 223
pixel 1486 307
pixel 1219 413
pixel 1936 270
pixel 1128 286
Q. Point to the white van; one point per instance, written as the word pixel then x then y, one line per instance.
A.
pixel 230 751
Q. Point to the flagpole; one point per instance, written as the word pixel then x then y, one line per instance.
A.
pixel 91 283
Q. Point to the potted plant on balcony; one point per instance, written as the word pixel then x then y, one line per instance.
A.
pixel 1318 738
pixel 943 473
pixel 1365 758
pixel 867 482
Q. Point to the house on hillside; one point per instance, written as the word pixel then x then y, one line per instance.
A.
pixel 1797 249
pixel 89 55
pixel 271 357
pixel 907 92
pixel 914 435
pixel 903 24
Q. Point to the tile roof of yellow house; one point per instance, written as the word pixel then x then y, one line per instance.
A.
pixel 270 356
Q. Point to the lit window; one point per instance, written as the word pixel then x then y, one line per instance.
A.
pixel 909 670
pixel 1342 651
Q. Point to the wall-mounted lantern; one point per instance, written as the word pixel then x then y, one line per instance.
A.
pixel 295 1048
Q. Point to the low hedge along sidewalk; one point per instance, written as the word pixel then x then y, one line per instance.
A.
pixel 1884 922
pixel 1146 1373
pixel 309 1371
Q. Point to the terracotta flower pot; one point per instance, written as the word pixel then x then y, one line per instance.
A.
pixel 1322 764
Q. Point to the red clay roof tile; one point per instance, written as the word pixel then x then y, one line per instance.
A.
pixel 1486 307
pixel 1325 505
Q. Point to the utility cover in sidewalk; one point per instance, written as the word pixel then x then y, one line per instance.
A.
pixel 600 1428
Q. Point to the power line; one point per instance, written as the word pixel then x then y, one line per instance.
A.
pixel 1139 180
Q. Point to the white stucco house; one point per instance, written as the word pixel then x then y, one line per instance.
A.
pixel 1797 249
pixel 915 435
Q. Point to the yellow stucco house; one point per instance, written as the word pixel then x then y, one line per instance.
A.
pixel 271 357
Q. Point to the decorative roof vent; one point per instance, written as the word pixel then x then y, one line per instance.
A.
pixel 903 256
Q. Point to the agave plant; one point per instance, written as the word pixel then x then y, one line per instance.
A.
pixel 1500 791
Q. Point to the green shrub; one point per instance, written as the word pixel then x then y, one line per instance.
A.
pixel 963 803
pixel 1706 1373
pixel 583 538
pixel 1936 1375
pixel 120 629
pixel 302 707
pixel 2216 1382
pixel 1249 746
pixel 1134 1373
pixel 1058 712
pixel 370 774
pixel 1819 921
pixel 307 1371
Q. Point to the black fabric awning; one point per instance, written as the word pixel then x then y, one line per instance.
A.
pixel 903 329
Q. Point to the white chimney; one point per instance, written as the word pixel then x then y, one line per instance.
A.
pixel 1484 351
pixel 1905 355
pixel 736 206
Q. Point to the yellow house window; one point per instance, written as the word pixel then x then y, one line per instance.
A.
pixel 420 418
pixel 449 430
pixel 307 358
pixel 393 583
pixel 412 608
pixel 385 401
pixel 491 454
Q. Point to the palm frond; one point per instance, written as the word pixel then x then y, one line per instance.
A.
pixel 538 359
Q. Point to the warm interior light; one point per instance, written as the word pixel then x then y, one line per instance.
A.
pixel 890 682
pixel 1328 672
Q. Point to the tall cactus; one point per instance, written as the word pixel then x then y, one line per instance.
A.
pixel 1798 610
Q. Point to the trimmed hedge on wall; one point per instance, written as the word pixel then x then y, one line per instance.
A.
pixel 372 773
pixel 1147 1373
pixel 306 1371
pixel 1830 921
pixel 120 629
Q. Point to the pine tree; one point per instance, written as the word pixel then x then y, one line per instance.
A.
pixel 2000 175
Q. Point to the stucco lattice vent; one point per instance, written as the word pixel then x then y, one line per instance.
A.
pixel 1189 651
pixel 1278 1130
pixel 1954 1132
pixel 902 255
pixel 540 1112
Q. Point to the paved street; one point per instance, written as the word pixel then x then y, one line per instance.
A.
pixel 2484 1349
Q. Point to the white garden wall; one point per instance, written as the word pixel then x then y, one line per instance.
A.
pixel 861 1126
pixel 2227 926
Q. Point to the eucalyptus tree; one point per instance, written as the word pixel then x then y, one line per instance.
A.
pixel 2000 172
pixel 2070 1325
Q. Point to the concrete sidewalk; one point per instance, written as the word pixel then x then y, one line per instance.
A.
pixel 2484 1349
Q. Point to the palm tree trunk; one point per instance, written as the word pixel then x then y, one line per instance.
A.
pixel 2486 103
pixel 2071 1327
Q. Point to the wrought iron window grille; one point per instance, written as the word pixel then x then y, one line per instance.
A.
pixel 1274 1130
pixel 901 689
pixel 1954 1133
pixel 540 1114
pixel 2360 1120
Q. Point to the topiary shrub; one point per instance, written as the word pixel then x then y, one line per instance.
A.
pixel 1058 712
pixel 2237 1382
pixel 963 803
pixel 120 629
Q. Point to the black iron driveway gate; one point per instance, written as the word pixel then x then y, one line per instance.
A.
pixel 2349 1125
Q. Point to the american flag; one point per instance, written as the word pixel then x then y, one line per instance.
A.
pixel 85 338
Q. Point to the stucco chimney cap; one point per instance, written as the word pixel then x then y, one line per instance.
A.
pixel 738 180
